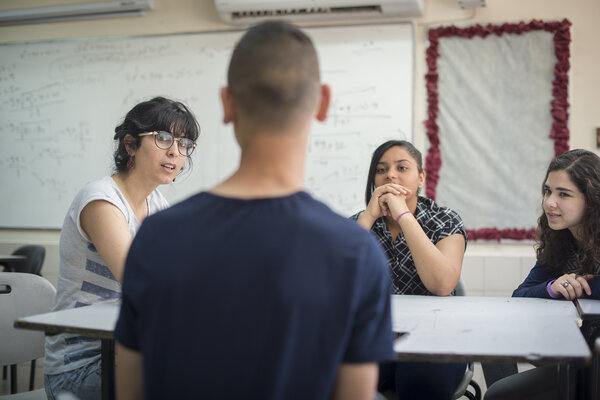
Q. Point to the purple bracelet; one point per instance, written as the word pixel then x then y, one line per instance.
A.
pixel 398 217
pixel 549 289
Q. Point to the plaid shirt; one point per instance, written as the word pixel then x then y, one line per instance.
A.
pixel 437 222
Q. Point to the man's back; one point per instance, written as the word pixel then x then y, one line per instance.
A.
pixel 265 300
pixel 255 290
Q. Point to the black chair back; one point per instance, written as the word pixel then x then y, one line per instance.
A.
pixel 35 259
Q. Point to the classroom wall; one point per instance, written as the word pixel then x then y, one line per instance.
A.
pixel 489 268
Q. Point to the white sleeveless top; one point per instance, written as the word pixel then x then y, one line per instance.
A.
pixel 83 277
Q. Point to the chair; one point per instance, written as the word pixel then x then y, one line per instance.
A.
pixel 22 294
pixel 33 264
pixel 494 371
pixel 35 256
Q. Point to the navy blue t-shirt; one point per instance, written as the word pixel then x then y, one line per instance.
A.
pixel 264 299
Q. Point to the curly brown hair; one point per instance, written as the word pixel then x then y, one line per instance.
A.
pixel 559 248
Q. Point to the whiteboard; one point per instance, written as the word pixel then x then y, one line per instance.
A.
pixel 61 100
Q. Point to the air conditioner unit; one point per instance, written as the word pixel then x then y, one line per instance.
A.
pixel 244 12
pixel 77 11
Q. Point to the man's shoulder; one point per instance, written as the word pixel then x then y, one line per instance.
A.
pixel 185 206
pixel 330 220
pixel 298 213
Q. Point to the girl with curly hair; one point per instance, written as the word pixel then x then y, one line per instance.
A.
pixel 568 250
pixel 568 263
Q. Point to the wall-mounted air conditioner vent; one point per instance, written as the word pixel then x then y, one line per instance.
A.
pixel 307 11
pixel 77 11
pixel 243 12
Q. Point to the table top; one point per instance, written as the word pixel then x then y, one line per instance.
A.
pixel 588 308
pixel 95 321
pixel 11 257
pixel 469 328
pixel 453 328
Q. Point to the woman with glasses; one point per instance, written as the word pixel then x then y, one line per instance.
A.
pixel 154 141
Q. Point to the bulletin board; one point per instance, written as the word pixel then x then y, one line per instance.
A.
pixel 498 108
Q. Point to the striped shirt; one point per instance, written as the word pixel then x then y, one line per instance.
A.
pixel 83 277
pixel 437 222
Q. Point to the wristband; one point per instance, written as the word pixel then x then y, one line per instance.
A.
pixel 549 289
pixel 398 217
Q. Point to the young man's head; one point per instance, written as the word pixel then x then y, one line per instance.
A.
pixel 273 77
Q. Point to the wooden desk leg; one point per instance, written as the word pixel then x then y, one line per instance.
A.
pixel 108 369
pixel 563 378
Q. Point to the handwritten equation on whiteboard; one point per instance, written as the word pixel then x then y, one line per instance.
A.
pixel 60 102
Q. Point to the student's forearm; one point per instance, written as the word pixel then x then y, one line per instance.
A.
pixel 129 382
pixel 356 382
pixel 365 220
pixel 438 273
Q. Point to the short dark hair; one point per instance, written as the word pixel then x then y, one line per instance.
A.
pixel 558 247
pixel 157 114
pixel 274 74
pixel 378 153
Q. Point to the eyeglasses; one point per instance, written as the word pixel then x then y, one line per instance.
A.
pixel 164 141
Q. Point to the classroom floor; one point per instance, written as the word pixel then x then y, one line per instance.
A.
pixel 23 377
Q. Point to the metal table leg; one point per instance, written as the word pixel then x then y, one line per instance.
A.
pixel 563 376
pixel 108 369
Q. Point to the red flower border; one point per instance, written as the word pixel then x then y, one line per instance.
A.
pixel 559 105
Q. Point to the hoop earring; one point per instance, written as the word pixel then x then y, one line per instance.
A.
pixel 180 170
pixel 131 162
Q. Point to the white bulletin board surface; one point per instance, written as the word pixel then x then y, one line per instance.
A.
pixel 61 100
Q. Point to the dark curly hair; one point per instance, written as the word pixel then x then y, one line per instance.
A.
pixel 157 114
pixel 559 248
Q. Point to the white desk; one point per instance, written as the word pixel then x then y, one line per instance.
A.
pixel 95 321
pixel 466 329
pixel 588 308
pixel 458 328
pixel 438 329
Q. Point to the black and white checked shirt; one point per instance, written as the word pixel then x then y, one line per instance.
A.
pixel 437 222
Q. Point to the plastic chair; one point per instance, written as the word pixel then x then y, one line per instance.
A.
pixel 21 295
pixel 33 264
pixel 494 371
